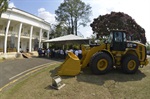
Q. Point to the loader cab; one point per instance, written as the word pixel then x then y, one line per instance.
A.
pixel 117 40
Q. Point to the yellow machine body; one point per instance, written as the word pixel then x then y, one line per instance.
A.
pixel 117 57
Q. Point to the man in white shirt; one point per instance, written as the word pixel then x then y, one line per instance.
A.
pixel 80 53
pixel 61 53
pixel 76 53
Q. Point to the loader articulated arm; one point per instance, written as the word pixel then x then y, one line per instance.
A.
pixel 86 58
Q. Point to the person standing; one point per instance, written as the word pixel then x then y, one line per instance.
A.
pixel 76 52
pixel 61 54
pixel 48 52
pixel 80 53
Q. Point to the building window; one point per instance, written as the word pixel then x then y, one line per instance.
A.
pixel 10 28
pixel 37 33
pixel 45 34
pixel 22 30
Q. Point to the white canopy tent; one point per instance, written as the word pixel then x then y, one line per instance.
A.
pixel 68 39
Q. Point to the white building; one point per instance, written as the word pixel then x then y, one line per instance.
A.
pixel 20 30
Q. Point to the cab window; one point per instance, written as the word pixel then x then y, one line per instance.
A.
pixel 118 36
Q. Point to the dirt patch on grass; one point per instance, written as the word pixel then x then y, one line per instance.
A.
pixel 114 85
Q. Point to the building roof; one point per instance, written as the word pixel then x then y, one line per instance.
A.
pixel 67 38
pixel 21 16
pixel 13 9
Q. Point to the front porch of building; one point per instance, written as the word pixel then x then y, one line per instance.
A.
pixel 20 37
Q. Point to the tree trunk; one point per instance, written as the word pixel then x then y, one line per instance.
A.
pixel 72 27
pixel 75 26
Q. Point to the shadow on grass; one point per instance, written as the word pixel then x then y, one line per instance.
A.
pixel 115 75
pixel 54 72
pixel 49 87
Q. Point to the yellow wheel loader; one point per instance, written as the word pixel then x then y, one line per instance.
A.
pixel 116 51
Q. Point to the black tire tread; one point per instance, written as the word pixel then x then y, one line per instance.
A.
pixel 93 63
pixel 125 61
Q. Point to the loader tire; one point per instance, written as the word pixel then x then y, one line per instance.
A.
pixel 100 63
pixel 130 64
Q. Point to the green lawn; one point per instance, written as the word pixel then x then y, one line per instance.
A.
pixel 114 85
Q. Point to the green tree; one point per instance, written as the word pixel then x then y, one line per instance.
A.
pixel 93 38
pixel 148 46
pixel 3 6
pixel 58 30
pixel 73 13
pixel 118 21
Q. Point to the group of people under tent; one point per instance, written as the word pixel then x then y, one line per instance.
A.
pixel 58 52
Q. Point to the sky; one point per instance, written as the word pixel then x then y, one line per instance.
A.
pixel 137 9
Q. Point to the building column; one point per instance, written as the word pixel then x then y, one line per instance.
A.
pixel 30 40
pixel 48 32
pixel 40 38
pixel 6 34
pixel 19 34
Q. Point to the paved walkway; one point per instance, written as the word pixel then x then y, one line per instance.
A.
pixel 10 68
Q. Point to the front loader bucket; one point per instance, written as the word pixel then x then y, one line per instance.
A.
pixel 71 66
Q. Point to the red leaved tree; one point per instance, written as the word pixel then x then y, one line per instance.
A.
pixel 118 21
